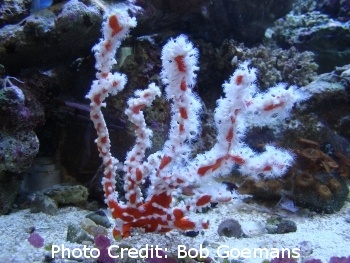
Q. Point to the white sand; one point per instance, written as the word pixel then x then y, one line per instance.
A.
pixel 328 235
